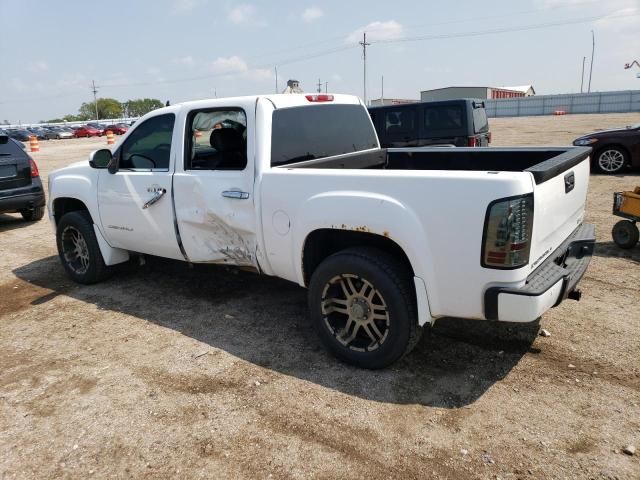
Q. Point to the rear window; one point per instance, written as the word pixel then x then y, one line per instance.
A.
pixel 11 148
pixel 480 121
pixel 443 117
pixel 311 132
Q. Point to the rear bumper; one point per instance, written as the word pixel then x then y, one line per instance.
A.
pixel 553 281
pixel 22 198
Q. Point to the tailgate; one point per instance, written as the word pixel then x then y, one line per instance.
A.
pixel 560 194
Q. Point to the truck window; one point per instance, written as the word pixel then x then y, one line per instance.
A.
pixel 310 132
pixel 149 145
pixel 443 117
pixel 217 140
pixel 400 121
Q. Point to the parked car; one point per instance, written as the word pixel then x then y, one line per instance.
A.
pixel 20 185
pixel 117 129
pixel 39 133
pixel 87 131
pixel 462 123
pixel 19 134
pixel 615 150
pixel 386 241
pixel 58 133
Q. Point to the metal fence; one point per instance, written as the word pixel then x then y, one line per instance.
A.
pixel 599 102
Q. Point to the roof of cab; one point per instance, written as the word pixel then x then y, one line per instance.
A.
pixel 279 100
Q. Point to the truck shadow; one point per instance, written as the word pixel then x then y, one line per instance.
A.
pixel 263 320
pixel 610 249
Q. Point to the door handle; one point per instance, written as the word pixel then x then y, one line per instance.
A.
pixel 235 194
pixel 158 195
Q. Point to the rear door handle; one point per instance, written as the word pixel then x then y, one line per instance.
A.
pixel 237 194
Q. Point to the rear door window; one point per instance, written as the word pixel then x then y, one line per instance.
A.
pixel 319 131
pixel 443 117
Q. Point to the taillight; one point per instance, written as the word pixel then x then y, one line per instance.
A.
pixel 34 168
pixel 319 98
pixel 507 232
pixel 473 142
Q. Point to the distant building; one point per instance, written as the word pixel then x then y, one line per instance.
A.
pixel 451 93
pixel 293 86
pixel 528 90
pixel 390 101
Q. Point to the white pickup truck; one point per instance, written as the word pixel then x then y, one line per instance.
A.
pixel 296 186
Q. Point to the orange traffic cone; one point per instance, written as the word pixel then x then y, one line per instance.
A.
pixel 33 144
pixel 110 138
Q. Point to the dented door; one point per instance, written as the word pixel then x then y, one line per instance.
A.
pixel 213 196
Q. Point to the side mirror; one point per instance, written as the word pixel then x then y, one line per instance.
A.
pixel 100 158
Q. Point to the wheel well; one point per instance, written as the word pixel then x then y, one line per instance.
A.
pixel 66 205
pixel 321 243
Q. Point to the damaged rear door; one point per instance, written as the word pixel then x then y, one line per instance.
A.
pixel 213 187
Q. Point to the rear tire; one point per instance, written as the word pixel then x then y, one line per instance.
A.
pixel 78 248
pixel 363 307
pixel 33 215
pixel 625 234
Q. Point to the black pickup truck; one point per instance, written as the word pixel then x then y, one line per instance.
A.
pixel 459 123
pixel 20 185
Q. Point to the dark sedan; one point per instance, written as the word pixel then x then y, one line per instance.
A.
pixel 615 150
pixel 19 134
pixel 20 185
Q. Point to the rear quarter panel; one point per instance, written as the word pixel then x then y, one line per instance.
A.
pixel 436 217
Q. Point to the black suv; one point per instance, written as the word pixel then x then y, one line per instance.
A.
pixel 20 185
pixel 461 123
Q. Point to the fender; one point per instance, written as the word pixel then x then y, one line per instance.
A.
pixel 79 181
pixel 391 219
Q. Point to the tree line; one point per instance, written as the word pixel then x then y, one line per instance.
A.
pixel 111 108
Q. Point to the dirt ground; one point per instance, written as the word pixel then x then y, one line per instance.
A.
pixel 163 371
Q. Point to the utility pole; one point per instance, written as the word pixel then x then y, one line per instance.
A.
pixel 593 49
pixel 319 86
pixel 95 100
pixel 582 76
pixel 276 69
pixel 382 91
pixel 326 85
pixel 364 45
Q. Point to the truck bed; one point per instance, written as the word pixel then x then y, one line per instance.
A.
pixel 543 162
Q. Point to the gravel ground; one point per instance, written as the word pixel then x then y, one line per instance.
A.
pixel 165 371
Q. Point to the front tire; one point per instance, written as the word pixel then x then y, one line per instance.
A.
pixel 78 248
pixel 33 214
pixel 610 160
pixel 625 234
pixel 363 307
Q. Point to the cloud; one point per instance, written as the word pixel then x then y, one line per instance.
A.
pixel 237 66
pixel 621 20
pixel 183 5
pixel 38 66
pixel 245 15
pixel 389 30
pixel 186 61
pixel 312 14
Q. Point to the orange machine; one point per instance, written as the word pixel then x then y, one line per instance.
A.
pixel 626 205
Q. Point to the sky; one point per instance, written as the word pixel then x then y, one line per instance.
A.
pixel 180 50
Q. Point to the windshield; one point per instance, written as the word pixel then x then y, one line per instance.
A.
pixel 311 132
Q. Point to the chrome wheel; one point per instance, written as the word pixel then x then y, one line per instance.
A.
pixel 611 160
pixel 355 312
pixel 75 250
